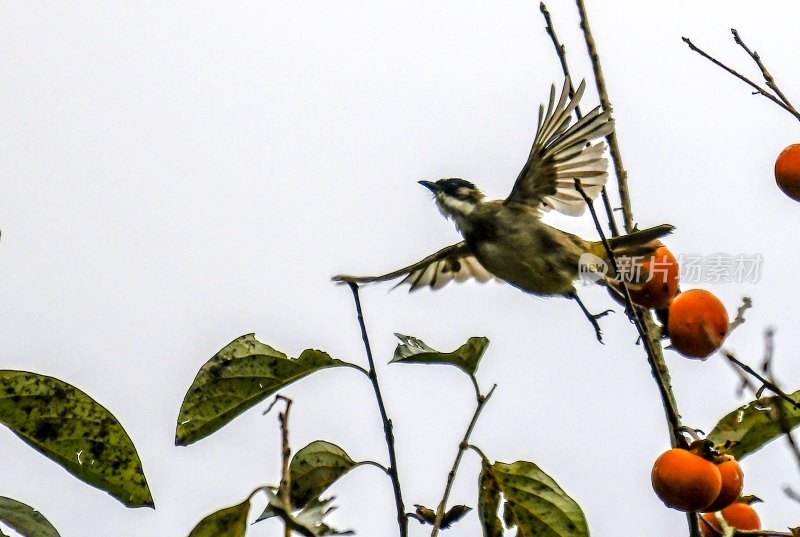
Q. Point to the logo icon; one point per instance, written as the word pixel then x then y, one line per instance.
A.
pixel 591 269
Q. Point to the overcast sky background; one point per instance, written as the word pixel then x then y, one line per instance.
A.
pixel 174 175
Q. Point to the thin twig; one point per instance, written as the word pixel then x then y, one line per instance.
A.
pixel 739 320
pixel 561 52
pixel 388 431
pixel 766 74
pixel 783 420
pixel 771 386
pixel 616 155
pixel 743 78
pixel 286 454
pixel 462 447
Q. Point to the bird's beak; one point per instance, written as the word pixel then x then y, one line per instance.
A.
pixel 433 187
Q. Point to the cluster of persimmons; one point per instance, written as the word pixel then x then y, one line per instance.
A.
pixel 701 478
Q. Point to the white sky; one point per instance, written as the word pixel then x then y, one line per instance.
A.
pixel 174 175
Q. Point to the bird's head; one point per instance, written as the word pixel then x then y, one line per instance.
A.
pixel 454 197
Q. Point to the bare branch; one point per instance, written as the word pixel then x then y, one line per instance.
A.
pixel 743 78
pixel 462 447
pixel 616 155
pixel 388 430
pixel 561 52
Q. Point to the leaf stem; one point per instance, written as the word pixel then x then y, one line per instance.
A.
pixel 402 521
pixel 462 447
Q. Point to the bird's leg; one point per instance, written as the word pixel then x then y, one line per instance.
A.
pixel 591 316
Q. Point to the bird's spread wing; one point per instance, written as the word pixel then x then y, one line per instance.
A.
pixel 561 153
pixel 455 262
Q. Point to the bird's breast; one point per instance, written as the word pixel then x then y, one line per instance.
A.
pixel 526 253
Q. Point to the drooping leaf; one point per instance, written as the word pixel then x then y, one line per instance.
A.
pixel 454 514
pixel 535 504
pixel 426 515
pixel 228 522
pixel 411 350
pixel 314 468
pixel 489 502
pixel 755 424
pixel 75 431
pixel 241 375
pixel 24 519
pixel 274 507
pixel 308 521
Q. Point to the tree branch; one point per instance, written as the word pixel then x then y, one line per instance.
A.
pixel 462 447
pixel 561 52
pixel 613 144
pixel 388 431
pixel 758 89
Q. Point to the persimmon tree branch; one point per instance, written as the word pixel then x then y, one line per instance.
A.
pixel 667 398
pixel 388 430
pixel 777 97
pixel 462 448
pixel 561 52
pixel 765 382
pixel 643 320
pixel 605 102
pixel 286 454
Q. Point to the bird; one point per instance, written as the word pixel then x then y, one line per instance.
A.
pixel 507 240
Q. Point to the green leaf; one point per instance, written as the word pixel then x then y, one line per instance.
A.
pixel 467 357
pixel 489 502
pixel 241 375
pixel 314 468
pixel 75 431
pixel 535 504
pixel 25 520
pixel 228 522
pixel 755 424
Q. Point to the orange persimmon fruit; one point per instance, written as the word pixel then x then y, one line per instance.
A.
pixel 662 285
pixel 732 484
pixel 685 481
pixel 738 515
pixel 698 323
pixel 787 171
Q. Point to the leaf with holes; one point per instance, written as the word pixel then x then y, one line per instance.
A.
pixel 228 522
pixel 316 467
pixel 24 519
pixel 72 429
pixel 241 375
pixel 756 424
pixel 535 504
pixel 411 350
